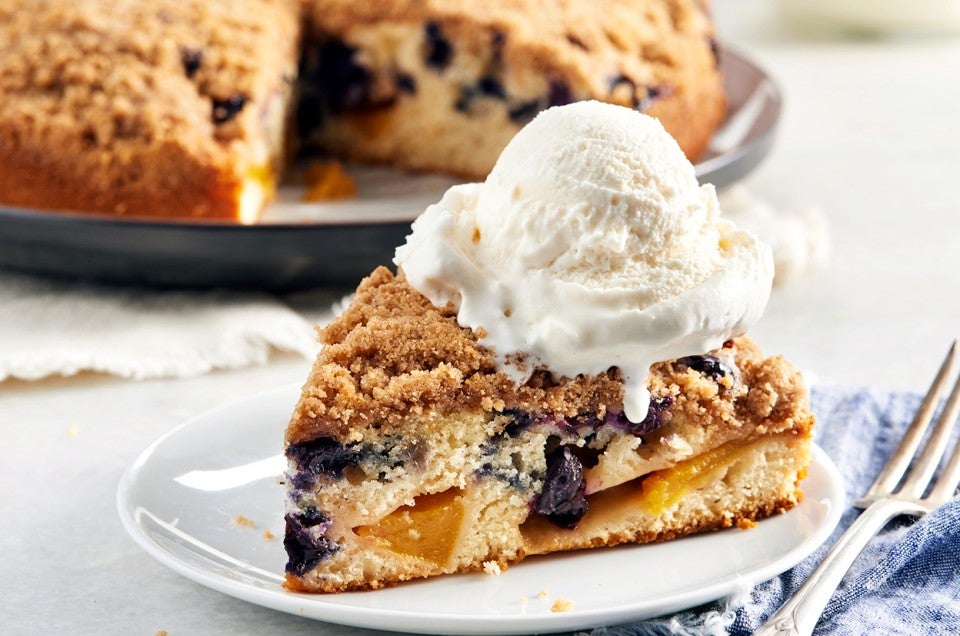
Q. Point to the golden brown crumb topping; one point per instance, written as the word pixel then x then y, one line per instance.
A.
pixel 116 80
pixel 392 354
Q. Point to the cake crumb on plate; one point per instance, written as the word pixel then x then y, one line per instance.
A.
pixel 492 568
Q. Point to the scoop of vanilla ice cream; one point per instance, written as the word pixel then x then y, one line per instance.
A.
pixel 590 246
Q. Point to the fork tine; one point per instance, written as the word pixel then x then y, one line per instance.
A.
pixel 900 459
pixel 949 479
pixel 929 459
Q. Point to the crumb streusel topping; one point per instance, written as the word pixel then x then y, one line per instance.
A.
pixel 392 354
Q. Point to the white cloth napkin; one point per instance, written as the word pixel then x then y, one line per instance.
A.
pixel 50 327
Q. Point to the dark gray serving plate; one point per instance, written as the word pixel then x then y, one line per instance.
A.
pixel 312 244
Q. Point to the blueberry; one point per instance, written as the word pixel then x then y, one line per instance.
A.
pixel 323 456
pixel 519 420
pixel 710 366
pixel 305 547
pixel 584 420
pixel 226 109
pixel 465 100
pixel 406 83
pixel 439 50
pixel 654 419
pixel 311 517
pixel 559 93
pixel 563 500
pixel 192 59
pixel 491 87
pixel 524 111
pixel 343 82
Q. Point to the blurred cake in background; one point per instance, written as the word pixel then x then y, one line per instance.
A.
pixel 162 108
pixel 444 85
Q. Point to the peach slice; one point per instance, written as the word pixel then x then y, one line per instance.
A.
pixel 429 529
pixel 665 488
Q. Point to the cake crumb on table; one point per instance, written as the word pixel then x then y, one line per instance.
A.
pixel 561 605
pixel 240 520
pixel 492 568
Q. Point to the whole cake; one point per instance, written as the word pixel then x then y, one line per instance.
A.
pixel 558 364
pixel 180 109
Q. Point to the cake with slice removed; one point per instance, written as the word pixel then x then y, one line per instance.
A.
pixel 558 364
pixel 164 108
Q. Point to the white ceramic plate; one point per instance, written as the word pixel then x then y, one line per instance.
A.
pixel 183 497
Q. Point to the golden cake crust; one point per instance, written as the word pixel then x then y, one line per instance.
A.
pixel 125 107
pixel 432 364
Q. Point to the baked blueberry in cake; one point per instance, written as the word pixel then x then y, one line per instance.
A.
pixel 444 85
pixel 558 363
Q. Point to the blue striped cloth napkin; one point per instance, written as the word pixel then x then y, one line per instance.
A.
pixel 907 581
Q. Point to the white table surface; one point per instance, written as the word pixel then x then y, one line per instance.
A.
pixel 870 133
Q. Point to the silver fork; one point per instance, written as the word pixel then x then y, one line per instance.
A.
pixel 883 502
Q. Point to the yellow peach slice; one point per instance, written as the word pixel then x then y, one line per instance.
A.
pixel 429 529
pixel 665 488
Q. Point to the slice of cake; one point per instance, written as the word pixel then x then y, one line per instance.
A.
pixel 145 108
pixel 444 85
pixel 559 364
